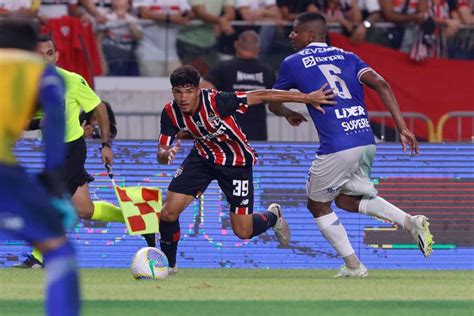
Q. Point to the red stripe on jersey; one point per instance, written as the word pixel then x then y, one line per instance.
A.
pixel 242 210
pixel 239 157
pixel 218 156
pixel 165 140
pixel 211 129
pixel 230 121
pixel 194 130
pixel 169 109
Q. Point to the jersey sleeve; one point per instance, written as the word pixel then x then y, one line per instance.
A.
pixel 360 66
pixel 85 96
pixel 168 129
pixel 51 100
pixel 228 103
pixel 285 79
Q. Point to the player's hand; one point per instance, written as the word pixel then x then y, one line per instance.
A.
pixel 321 96
pixel 408 139
pixel 173 151
pixel 107 155
pixel 295 118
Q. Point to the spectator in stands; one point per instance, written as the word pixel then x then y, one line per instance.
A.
pixel 23 8
pixel 243 73
pixel 440 11
pixel 105 6
pixel 462 10
pixel 406 14
pixel 84 9
pixel 345 12
pixel 462 45
pixel 289 9
pixel 261 10
pixel 90 123
pixel 371 14
pixel 156 52
pixel 119 40
pixel 196 44
pixel 430 40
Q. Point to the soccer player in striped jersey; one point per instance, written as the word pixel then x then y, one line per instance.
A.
pixel 35 209
pixel 341 170
pixel 221 152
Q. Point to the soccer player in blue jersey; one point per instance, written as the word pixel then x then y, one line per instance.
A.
pixel 341 170
pixel 30 208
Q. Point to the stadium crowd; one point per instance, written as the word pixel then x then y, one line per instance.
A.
pixel 153 37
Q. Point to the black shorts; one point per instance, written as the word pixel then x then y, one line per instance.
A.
pixel 195 174
pixel 75 173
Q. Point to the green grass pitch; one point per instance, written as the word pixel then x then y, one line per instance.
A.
pixel 113 292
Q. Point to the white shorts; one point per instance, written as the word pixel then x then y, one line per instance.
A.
pixel 346 172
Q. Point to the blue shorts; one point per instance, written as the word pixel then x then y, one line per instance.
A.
pixel 25 209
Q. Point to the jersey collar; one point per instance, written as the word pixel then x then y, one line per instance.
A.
pixel 318 44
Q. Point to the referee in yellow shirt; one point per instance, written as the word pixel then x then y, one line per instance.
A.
pixel 79 96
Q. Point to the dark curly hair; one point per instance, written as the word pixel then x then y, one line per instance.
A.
pixel 185 76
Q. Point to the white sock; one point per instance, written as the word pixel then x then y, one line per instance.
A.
pixel 378 207
pixel 332 229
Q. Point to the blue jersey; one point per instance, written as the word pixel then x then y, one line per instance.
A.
pixel 345 124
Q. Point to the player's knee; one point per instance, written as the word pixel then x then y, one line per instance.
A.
pixel 168 215
pixel 85 212
pixel 347 203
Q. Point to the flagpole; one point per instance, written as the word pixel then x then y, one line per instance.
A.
pixel 110 173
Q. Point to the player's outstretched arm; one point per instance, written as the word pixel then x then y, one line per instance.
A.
pixel 316 98
pixel 166 154
pixel 378 83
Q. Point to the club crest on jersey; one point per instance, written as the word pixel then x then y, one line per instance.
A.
pixel 308 61
pixel 214 120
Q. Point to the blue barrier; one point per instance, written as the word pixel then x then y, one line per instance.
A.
pixel 438 183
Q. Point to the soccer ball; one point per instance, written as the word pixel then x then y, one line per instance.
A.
pixel 149 264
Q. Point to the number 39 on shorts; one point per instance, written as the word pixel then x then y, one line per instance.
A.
pixel 241 187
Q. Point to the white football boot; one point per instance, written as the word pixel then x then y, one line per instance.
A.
pixel 281 228
pixel 420 231
pixel 345 272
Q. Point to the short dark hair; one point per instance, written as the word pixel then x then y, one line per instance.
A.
pixel 310 16
pixel 185 76
pixel 18 33
pixel 46 38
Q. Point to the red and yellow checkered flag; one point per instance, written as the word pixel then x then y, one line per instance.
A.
pixel 141 208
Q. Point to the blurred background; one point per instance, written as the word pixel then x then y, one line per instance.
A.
pixel 126 50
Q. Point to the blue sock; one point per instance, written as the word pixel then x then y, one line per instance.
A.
pixel 62 282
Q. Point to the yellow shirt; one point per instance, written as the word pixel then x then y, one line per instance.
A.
pixel 20 74
pixel 78 96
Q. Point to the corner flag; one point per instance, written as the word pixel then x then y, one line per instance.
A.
pixel 141 208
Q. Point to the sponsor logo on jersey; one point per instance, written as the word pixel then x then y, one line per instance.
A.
pixel 309 61
pixel 358 125
pixel 353 111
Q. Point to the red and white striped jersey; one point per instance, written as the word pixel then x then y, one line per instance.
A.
pixel 217 136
